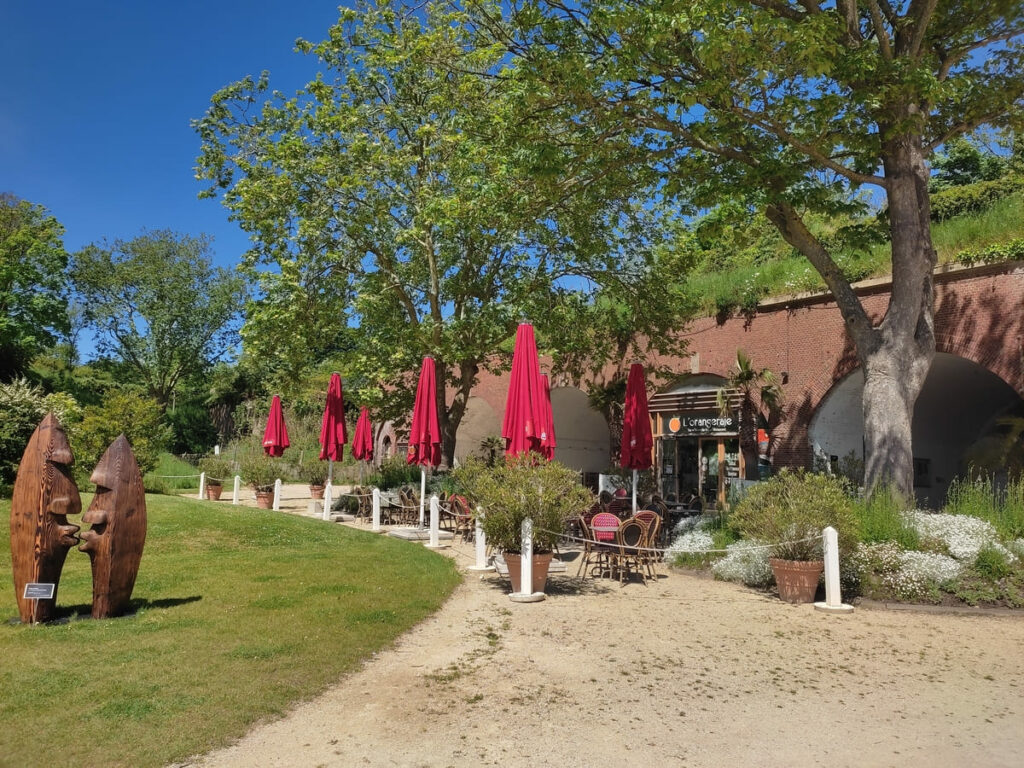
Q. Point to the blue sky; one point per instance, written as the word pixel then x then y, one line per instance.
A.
pixel 97 100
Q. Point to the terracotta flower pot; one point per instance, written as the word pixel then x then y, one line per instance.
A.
pixel 797 579
pixel 213 492
pixel 540 571
pixel 316 491
pixel 264 499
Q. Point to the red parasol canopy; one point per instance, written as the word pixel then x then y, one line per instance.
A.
pixel 522 425
pixel 637 441
pixel 425 436
pixel 333 435
pixel 362 443
pixel 275 436
pixel 547 432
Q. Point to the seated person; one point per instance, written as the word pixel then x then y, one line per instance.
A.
pixel 692 500
pixel 620 505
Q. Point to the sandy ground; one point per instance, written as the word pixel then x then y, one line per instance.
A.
pixel 684 671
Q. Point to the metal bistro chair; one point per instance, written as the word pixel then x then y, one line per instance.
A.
pixel 603 528
pixel 648 557
pixel 629 539
pixel 461 516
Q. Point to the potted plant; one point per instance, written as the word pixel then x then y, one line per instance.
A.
pixel 789 512
pixel 314 472
pixel 259 473
pixel 217 471
pixel 525 487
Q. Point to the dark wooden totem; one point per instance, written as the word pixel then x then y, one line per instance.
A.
pixel 44 495
pixel 118 518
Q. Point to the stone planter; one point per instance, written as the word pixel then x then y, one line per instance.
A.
pixel 264 499
pixel 213 491
pixel 797 579
pixel 316 491
pixel 540 571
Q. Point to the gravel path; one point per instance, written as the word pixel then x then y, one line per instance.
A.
pixel 682 672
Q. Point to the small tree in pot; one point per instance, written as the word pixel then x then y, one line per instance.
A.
pixel 260 473
pixel 217 471
pixel 523 487
pixel 314 472
pixel 790 511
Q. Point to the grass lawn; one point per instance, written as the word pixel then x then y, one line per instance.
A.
pixel 240 613
pixel 180 471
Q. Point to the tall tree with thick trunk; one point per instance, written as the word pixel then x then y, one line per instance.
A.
pixel 407 205
pixel 793 107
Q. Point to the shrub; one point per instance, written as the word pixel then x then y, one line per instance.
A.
pixel 971 198
pixel 258 471
pixel 745 562
pixel 880 518
pixel 139 418
pixel 218 470
pixel 962 535
pixel 23 406
pixel 997 253
pixel 795 506
pixel 312 471
pixel 394 473
pixel 511 491
pixel 992 563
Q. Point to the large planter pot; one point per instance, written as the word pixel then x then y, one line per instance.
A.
pixel 213 491
pixel 264 499
pixel 797 579
pixel 316 491
pixel 540 571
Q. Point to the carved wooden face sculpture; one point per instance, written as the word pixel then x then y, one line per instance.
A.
pixel 115 540
pixel 44 495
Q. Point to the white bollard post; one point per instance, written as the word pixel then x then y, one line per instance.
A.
pixel 277 495
pixel 833 592
pixel 527 595
pixel 202 485
pixel 423 492
pixel 328 499
pixel 376 510
pixel 216 450
pixel 236 492
pixel 435 523
pixel 481 545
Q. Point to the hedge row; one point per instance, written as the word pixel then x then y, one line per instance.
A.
pixel 971 198
pixel 1012 250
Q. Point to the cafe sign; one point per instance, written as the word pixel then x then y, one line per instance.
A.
pixel 709 423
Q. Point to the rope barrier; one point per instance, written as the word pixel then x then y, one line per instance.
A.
pixel 174 477
pixel 661 550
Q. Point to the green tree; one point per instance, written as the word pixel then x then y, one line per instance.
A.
pixel 33 284
pixel 964 162
pixel 406 206
pixel 792 107
pixel 157 303
pixel 140 419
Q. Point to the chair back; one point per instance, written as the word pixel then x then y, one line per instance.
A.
pixel 631 534
pixel 620 507
pixel 604 526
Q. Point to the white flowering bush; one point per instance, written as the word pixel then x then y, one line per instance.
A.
pixel 745 561
pixel 693 541
pixel 962 536
pixel 1017 547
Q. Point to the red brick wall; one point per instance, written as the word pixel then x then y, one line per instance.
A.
pixel 979 315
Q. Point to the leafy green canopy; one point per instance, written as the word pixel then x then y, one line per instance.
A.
pixel 402 204
pixel 158 304
pixel 33 284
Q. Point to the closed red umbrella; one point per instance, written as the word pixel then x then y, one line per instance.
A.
pixel 547 432
pixel 425 435
pixel 333 434
pixel 362 442
pixel 637 440
pixel 275 436
pixel 521 426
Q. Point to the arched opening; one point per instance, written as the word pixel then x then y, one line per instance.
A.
pixel 960 403
pixel 581 433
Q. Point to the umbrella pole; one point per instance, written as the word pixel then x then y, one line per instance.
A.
pixel 423 492
pixel 634 491
pixel 362 464
pixel 330 471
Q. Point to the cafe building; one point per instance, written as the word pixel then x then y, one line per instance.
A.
pixel 696 440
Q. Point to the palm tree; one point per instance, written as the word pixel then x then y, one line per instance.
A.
pixel 760 398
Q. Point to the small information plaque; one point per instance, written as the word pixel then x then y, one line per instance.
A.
pixel 39 591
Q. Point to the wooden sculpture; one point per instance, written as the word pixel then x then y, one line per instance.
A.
pixel 44 495
pixel 118 519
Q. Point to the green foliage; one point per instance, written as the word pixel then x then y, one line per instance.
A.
pixel 312 470
pixel 219 471
pixel 159 305
pixel 963 162
pixel 192 431
pixel 797 505
pixel 139 418
pixel 992 563
pixel 393 473
pixel 880 518
pixel 984 498
pixel 973 198
pixel 993 254
pixel 33 284
pixel 521 488
pixel 171 474
pixel 23 406
pixel 238 614
pixel 259 471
